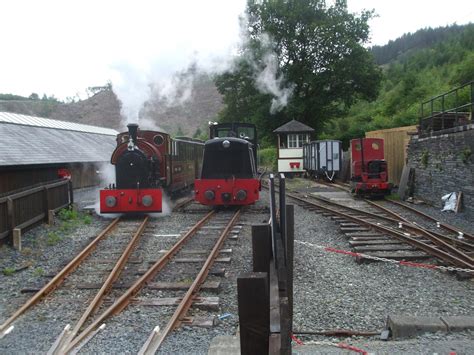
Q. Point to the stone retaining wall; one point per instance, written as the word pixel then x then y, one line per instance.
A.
pixel 444 163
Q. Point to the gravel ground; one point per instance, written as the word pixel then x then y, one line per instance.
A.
pixel 331 291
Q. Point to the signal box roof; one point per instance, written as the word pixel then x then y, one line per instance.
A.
pixel 294 126
pixel 29 140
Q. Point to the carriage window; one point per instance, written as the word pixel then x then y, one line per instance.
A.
pixel 375 146
pixel 357 146
pixel 158 140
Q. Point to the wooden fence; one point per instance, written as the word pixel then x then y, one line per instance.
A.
pixel 24 208
pixel 265 296
pixel 395 146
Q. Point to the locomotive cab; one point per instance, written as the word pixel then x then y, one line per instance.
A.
pixel 229 173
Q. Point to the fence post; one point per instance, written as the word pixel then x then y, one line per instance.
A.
pixel 46 202
pixel 11 214
pixel 290 246
pixel 71 194
pixel 261 247
pixel 254 313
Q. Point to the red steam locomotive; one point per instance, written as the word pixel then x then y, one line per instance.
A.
pixel 229 169
pixel 369 174
pixel 146 163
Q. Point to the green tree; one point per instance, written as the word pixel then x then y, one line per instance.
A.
pixel 317 53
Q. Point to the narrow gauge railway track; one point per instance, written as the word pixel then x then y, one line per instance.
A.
pixel 376 232
pixel 120 236
pixel 213 229
pixel 431 222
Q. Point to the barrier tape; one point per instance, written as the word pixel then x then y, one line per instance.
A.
pixel 399 262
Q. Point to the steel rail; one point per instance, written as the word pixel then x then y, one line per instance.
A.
pixel 183 203
pixel 187 299
pixel 452 239
pixel 127 296
pixel 442 224
pixel 441 254
pixel 458 255
pixel 408 226
pixel 106 287
pixel 414 210
pixel 60 277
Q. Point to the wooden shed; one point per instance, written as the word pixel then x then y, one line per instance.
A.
pixel 395 143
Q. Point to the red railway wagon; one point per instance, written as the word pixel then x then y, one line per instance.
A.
pixel 369 174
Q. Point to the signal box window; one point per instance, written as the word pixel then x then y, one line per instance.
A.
pixel 297 140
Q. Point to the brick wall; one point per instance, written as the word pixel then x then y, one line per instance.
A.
pixel 444 163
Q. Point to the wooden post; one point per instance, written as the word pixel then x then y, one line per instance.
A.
pixel 261 247
pixel 285 330
pixel 290 246
pixel 254 313
pixel 46 201
pixel 71 194
pixel 17 239
pixel 11 214
pixel 50 217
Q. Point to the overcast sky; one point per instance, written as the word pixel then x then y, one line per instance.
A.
pixel 61 47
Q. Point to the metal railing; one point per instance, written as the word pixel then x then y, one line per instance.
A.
pixel 22 209
pixel 447 110
pixel 265 296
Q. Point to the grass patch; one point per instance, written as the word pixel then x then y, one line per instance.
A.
pixel 393 196
pixel 8 271
pixel 68 214
pixel 38 272
pixel 87 219
pixel 53 238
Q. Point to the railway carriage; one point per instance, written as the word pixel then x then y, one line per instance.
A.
pixel 323 158
pixel 229 169
pixel 146 164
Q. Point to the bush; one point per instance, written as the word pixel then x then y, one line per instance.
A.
pixel 268 158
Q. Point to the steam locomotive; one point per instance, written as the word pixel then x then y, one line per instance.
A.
pixel 229 168
pixel 146 163
pixel 369 173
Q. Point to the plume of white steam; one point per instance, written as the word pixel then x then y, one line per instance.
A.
pixel 269 82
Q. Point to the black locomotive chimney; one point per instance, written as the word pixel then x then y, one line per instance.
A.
pixel 132 131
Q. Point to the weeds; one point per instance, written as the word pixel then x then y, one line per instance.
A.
pixel 38 272
pixel 53 238
pixel 8 271
pixel 87 219
pixel 393 196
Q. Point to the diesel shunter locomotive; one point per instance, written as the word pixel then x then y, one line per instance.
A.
pixel 369 173
pixel 229 170
pixel 146 163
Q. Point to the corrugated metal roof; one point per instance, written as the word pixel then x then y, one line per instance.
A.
pixel 30 144
pixel 26 120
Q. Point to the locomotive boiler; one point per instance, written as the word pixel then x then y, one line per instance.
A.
pixel 147 164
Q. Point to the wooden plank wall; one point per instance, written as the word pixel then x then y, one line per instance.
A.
pixel 395 145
